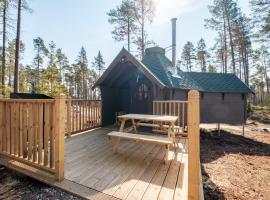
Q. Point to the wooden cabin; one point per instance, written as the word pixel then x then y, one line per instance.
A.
pixel 129 85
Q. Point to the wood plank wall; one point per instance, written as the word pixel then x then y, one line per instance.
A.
pixel 82 115
pixel 29 132
pixel 175 108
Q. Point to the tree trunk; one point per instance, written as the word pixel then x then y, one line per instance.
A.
pixel 222 63
pixel 4 47
pixel 231 42
pixel 17 52
pixel 225 47
pixel 204 64
pixel 128 35
pixel 142 33
pixel 9 71
pixel 265 75
pixel 246 66
pixel 38 66
pixel 241 63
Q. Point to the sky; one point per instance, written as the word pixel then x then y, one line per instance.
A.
pixel 73 24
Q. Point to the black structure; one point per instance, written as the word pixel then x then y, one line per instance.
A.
pixel 131 85
pixel 29 96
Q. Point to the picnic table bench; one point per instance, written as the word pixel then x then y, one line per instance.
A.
pixel 165 141
pixel 160 120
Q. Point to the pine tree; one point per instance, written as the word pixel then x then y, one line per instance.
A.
pixel 81 74
pixel 123 19
pixel 262 60
pixel 10 61
pixel 242 32
pixel 145 12
pixel 51 53
pixel 188 56
pixel 51 81
pixel 41 52
pixel 21 5
pixel 261 19
pixel 224 14
pixel 30 77
pixel 202 54
pixel 62 64
pixel 4 8
pixel 99 63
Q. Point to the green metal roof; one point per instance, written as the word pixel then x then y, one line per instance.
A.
pixel 218 82
pixel 156 61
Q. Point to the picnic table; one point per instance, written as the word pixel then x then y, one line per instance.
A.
pixel 137 119
pixel 159 121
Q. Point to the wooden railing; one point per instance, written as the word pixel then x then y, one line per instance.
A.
pixel 32 132
pixel 188 113
pixel 175 108
pixel 82 115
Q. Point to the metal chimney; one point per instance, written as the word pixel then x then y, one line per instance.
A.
pixel 174 41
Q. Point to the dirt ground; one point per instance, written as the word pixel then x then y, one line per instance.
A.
pixel 236 167
pixel 16 186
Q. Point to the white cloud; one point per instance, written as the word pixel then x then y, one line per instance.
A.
pixel 167 9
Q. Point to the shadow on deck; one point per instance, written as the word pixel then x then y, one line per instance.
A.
pixel 137 171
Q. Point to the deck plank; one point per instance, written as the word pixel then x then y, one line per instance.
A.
pixel 108 179
pixel 155 186
pixel 133 178
pixel 130 167
pixel 181 190
pixel 137 171
pixel 106 165
pixel 142 184
pixel 169 185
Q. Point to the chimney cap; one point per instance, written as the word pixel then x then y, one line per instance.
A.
pixel 173 19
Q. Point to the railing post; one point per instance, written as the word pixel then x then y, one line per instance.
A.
pixel 194 145
pixel 68 117
pixel 1 122
pixel 59 136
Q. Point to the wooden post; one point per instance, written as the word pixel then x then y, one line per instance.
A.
pixel 68 117
pixel 59 136
pixel 194 145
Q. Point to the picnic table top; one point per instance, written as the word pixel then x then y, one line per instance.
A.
pixel 159 118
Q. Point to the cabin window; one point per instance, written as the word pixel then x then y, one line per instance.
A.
pixel 243 96
pixel 202 95
pixel 142 91
pixel 173 93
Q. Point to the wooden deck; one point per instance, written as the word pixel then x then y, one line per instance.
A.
pixel 137 171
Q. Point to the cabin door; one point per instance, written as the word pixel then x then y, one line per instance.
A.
pixel 141 97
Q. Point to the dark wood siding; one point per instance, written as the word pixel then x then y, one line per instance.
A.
pixel 223 107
